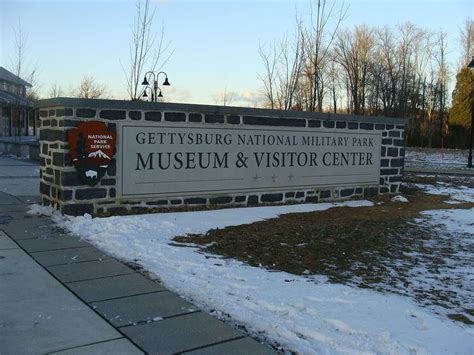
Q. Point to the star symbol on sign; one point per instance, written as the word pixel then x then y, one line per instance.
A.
pixel 290 176
pixel 256 177
pixel 274 177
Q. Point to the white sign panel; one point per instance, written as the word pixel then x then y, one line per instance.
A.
pixel 178 160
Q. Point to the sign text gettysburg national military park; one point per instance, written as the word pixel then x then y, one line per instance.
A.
pixel 181 160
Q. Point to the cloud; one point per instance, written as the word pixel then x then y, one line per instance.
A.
pixel 233 98
pixel 177 95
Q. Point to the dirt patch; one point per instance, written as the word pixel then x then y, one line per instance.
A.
pixel 375 247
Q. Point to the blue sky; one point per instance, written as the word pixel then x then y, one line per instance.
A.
pixel 215 42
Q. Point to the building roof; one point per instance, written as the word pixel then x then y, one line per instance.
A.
pixel 9 76
pixel 7 98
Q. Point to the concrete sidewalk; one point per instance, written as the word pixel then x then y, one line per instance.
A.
pixel 61 294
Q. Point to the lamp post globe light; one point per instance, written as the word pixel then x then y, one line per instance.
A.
pixel 155 91
pixel 469 159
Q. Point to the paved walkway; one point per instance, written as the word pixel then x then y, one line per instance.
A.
pixel 59 294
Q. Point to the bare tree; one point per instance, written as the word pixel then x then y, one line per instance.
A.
pixel 334 84
pixel 270 60
pixel 20 66
pixel 55 91
pixel 442 80
pixel 292 57
pixel 20 115
pixel 148 50
pixel 467 42
pixel 89 88
pixel 354 52
pixel 320 39
pixel 224 97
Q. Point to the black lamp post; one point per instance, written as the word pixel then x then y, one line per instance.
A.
pixel 155 91
pixel 469 160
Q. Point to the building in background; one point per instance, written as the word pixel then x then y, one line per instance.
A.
pixel 17 116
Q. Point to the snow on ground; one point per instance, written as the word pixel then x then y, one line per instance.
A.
pixel 436 158
pixel 399 198
pixel 301 313
pixel 458 193
pixel 455 221
pixel 39 210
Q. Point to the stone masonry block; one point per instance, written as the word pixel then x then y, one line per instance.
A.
pixel 113 114
pixel 78 209
pixel 299 194
pixel 175 116
pixel 153 116
pixel 85 113
pixel 45 189
pixel 135 115
pixel 328 124
pixel 347 192
pixel 195 117
pixel 90 194
pixel 388 172
pixel 61 159
pixel 396 163
pixel 53 135
pixel 272 121
pixel 214 118
pixel 252 200
pixel 398 142
pixel 371 191
pixel 367 126
pixel 233 119
pixel 69 123
pixel 240 199
pixel 64 195
pixel 314 123
pixel 272 198
pixel 220 200
pixel 392 152
pixel 70 178
pixel 195 201
pixel 325 194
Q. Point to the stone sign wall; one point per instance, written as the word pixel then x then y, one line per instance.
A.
pixel 174 156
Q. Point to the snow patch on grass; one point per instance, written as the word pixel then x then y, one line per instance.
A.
pixel 399 198
pixel 455 221
pixel 457 193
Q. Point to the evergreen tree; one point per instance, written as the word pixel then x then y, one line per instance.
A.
pixel 463 99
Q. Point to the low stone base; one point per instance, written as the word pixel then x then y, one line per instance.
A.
pixel 126 207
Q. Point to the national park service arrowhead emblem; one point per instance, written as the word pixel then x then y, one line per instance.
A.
pixel 91 149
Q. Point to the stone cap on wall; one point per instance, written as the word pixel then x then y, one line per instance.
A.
pixel 209 109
